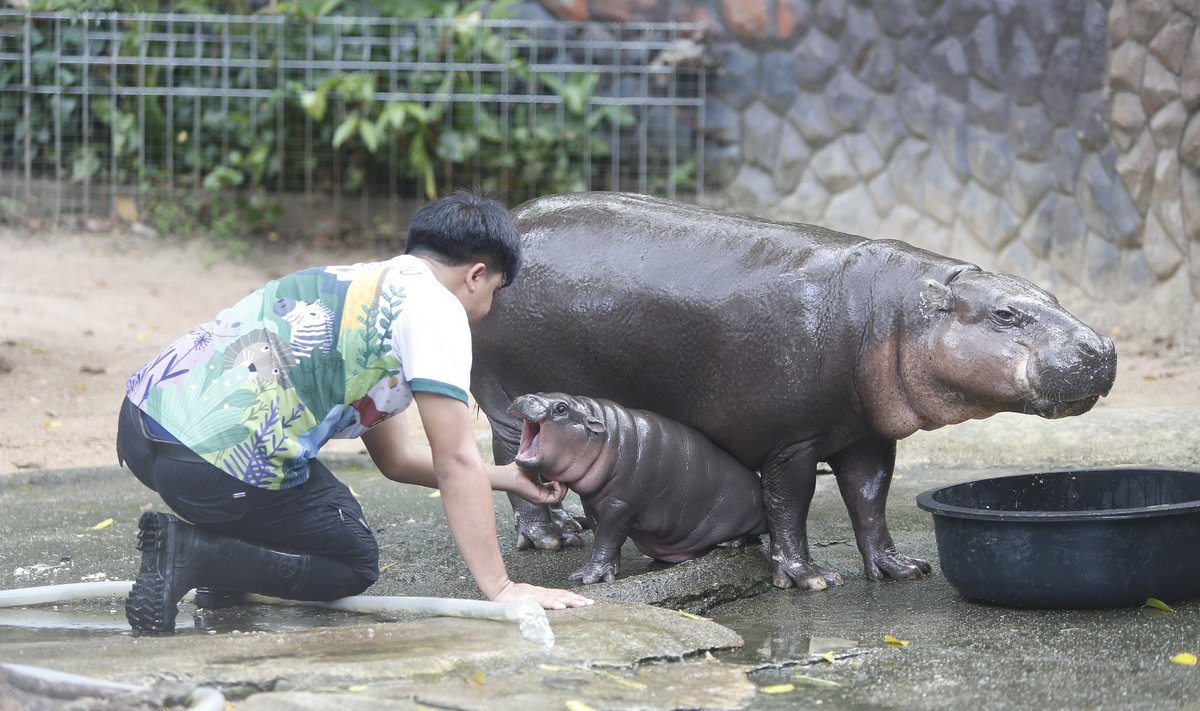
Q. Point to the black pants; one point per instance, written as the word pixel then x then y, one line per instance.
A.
pixel 320 517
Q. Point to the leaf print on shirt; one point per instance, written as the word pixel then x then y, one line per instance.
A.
pixel 370 346
pixel 377 319
pixel 250 460
pixel 213 420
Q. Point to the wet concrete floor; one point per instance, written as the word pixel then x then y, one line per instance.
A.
pixel 761 648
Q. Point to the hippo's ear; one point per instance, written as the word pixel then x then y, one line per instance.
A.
pixel 936 296
pixel 594 425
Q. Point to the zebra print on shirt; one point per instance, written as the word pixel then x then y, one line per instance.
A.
pixel 312 326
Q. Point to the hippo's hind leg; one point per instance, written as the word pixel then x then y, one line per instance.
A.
pixel 864 473
pixel 541 527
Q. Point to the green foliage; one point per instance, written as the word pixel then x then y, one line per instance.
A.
pixel 451 132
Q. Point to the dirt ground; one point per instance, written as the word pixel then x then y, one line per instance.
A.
pixel 80 312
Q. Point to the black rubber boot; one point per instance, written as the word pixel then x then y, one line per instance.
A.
pixel 177 556
pixel 212 599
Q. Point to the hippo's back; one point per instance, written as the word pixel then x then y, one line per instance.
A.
pixel 688 494
pixel 698 315
pixel 625 243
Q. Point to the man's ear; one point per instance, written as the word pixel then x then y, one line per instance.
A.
pixel 475 275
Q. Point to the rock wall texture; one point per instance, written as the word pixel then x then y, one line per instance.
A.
pixel 1058 140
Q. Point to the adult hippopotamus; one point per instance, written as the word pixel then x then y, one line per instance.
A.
pixel 641 476
pixel 786 344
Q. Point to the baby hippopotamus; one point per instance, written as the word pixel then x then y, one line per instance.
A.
pixel 641 476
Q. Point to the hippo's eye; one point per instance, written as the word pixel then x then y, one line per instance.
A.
pixel 1005 317
pixel 560 408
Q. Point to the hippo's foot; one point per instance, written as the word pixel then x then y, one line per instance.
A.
pixel 893 564
pixel 803 574
pixel 595 572
pixel 557 529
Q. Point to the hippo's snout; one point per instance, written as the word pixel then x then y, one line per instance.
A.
pixel 529 408
pixel 1097 351
pixel 1074 377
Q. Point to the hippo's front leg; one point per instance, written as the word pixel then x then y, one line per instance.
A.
pixel 788 481
pixel 864 474
pixel 547 528
pixel 614 519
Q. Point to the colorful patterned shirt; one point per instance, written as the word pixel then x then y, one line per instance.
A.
pixel 323 353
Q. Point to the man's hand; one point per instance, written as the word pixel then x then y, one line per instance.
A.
pixel 548 598
pixel 525 484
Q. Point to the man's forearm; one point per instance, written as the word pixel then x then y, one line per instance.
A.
pixel 470 511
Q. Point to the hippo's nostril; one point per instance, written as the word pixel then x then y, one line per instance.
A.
pixel 1093 346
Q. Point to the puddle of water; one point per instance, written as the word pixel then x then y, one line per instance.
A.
pixel 767 643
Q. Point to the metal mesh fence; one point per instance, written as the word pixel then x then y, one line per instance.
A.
pixel 141 115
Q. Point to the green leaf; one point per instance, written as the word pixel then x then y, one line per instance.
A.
pixel 502 9
pixel 370 134
pixel 419 112
pixel 1158 604
pixel 393 115
pixel 423 164
pixel 222 177
pixel 358 87
pixel 345 130
pixel 457 146
pixel 85 165
pixel 574 99
pixel 313 103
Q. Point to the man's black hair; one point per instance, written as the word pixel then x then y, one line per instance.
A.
pixel 467 227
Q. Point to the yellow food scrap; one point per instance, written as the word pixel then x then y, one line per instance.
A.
pixel 356 688
pixel 828 658
pixel 435 494
pixel 1185 658
pixel 896 642
pixel 690 616
pixel 103 524
pixel 777 688
pixel 815 681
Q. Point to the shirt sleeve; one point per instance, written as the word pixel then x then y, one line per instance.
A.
pixel 433 340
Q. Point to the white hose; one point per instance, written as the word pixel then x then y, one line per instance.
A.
pixel 63 593
pixel 52 676
pixel 206 698
pixel 526 612
pixel 202 698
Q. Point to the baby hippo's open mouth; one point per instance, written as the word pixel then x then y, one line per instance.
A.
pixel 530 449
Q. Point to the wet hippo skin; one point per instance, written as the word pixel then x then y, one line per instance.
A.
pixel 785 344
pixel 641 476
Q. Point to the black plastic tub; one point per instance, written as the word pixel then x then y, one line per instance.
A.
pixel 1076 539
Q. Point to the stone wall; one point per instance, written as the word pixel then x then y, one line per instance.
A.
pixel 1055 139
